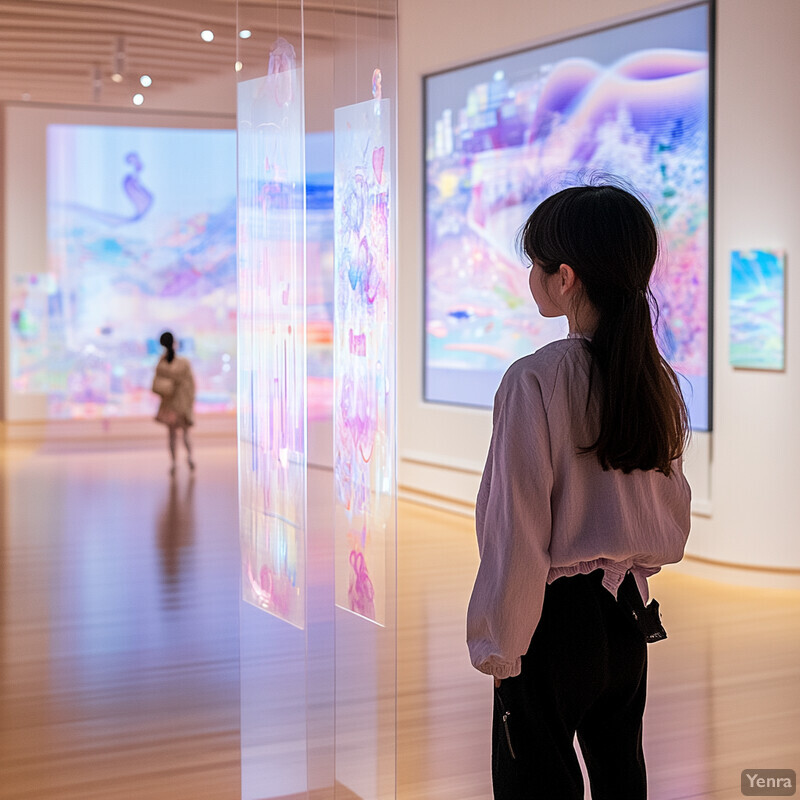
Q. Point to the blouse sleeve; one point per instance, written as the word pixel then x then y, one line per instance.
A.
pixel 190 381
pixel 513 520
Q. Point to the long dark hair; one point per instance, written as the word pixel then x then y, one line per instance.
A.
pixel 608 237
pixel 167 340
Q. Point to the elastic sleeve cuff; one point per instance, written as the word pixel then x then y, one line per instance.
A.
pixel 499 669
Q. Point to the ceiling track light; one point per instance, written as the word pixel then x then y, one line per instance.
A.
pixel 97 83
pixel 118 62
pixel 207 35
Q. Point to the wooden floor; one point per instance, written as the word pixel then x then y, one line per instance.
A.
pixel 119 652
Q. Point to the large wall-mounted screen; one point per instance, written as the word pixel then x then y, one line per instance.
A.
pixel 503 134
pixel 141 230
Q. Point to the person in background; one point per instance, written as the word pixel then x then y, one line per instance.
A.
pixel 582 498
pixel 174 383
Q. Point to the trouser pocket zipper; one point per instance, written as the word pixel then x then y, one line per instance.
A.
pixel 505 715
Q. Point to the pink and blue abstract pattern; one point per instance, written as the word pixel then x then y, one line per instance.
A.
pixel 272 344
pixel 319 274
pixel 505 134
pixel 364 355
pixel 141 238
pixel 31 306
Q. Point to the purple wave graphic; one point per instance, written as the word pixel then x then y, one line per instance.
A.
pixel 141 198
pixel 655 87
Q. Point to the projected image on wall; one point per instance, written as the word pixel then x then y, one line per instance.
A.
pixel 319 273
pixel 141 238
pixel 504 134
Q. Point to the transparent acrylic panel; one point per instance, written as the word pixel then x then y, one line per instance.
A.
pixel 318 703
pixel 365 163
pixel 272 347
pixel 364 346
pixel 272 440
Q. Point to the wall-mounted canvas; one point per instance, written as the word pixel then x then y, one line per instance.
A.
pixel 503 134
pixel 757 309
pixel 141 230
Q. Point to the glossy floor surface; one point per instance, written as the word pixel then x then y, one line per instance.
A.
pixel 119 651
pixel 119 615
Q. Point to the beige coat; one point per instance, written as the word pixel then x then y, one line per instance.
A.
pixel 178 408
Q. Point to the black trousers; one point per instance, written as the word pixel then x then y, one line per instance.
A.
pixel 586 672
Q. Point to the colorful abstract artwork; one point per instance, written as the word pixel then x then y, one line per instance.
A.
pixel 272 344
pixel 364 355
pixel 33 307
pixel 319 273
pixel 504 134
pixel 757 309
pixel 141 234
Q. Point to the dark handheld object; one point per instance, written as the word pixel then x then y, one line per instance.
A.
pixel 647 618
pixel 505 715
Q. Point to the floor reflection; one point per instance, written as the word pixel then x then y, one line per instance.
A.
pixel 175 534
pixel 119 649
pixel 119 656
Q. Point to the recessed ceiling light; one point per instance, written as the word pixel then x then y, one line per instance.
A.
pixel 138 99
pixel 116 77
pixel 238 66
pixel 146 81
pixel 207 36
pixel 245 34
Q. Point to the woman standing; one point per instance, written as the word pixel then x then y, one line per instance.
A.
pixel 582 499
pixel 174 383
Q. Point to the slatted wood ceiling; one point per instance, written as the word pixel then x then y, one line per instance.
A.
pixel 50 49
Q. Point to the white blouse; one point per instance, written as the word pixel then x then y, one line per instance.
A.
pixel 544 510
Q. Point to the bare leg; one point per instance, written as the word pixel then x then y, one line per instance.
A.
pixel 173 437
pixel 188 446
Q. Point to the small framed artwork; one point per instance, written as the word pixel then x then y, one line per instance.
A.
pixel 757 309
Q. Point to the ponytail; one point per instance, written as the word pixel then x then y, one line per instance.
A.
pixel 168 341
pixel 643 419
pixel 609 239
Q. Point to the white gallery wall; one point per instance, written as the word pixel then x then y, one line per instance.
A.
pixel 745 475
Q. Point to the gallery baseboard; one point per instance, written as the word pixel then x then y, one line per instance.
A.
pixel 761 577
pixel 222 426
